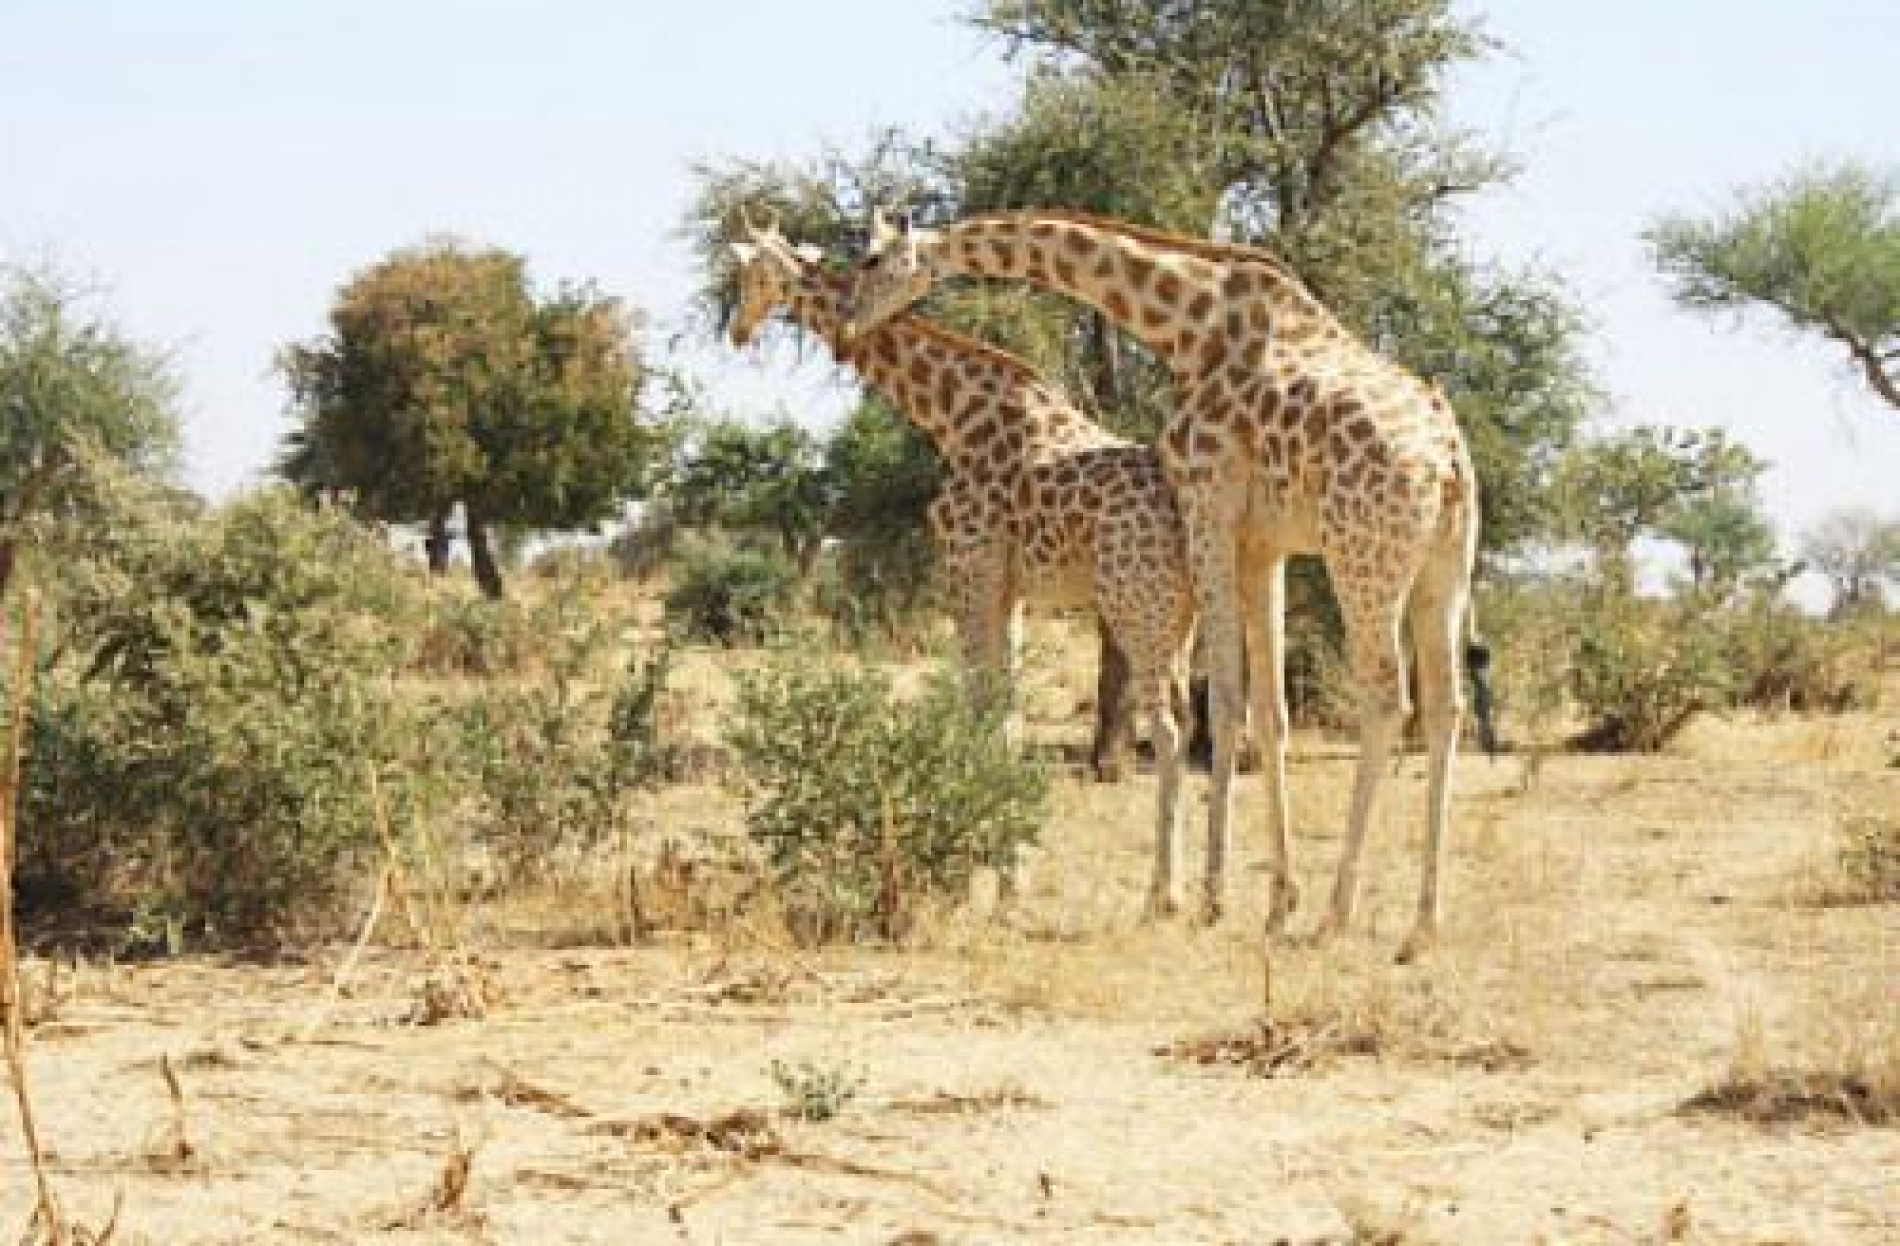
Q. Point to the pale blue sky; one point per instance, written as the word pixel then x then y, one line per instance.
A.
pixel 221 166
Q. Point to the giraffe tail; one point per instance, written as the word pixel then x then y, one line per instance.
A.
pixel 1478 668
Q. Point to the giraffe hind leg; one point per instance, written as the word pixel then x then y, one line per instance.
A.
pixel 1372 621
pixel 1437 615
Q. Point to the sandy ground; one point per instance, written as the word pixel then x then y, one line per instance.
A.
pixel 1620 936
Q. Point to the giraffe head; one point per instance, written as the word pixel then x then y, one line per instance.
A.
pixel 770 268
pixel 898 268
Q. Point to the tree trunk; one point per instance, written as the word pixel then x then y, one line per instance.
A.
pixel 1114 711
pixel 437 544
pixel 482 556
pixel 1107 379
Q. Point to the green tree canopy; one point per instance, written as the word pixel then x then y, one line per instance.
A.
pixel 1692 486
pixel 446 381
pixel 750 478
pixel 1822 247
pixel 71 382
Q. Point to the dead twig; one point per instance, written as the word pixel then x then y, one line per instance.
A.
pixel 46 1220
pixel 339 981
pixel 173 1152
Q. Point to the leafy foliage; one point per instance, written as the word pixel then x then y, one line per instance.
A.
pixel 881 576
pixel 730 594
pixel 1782 659
pixel 72 385
pixel 865 803
pixel 555 762
pixel 1641 674
pixel 1821 246
pixel 1693 485
pixel 445 381
pixel 743 478
pixel 204 743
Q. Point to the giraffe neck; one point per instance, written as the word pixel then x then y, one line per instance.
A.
pixel 929 374
pixel 1178 296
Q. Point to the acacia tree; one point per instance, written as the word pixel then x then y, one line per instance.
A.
pixel 1858 550
pixel 743 477
pixel 71 380
pixel 446 381
pixel 1821 247
pixel 1692 486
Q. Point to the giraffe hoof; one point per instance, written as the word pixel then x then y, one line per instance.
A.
pixel 1416 947
pixel 1210 913
pixel 1161 906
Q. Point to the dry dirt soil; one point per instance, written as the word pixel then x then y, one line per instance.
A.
pixel 1624 935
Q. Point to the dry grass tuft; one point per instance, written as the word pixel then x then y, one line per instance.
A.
pixel 508 1087
pixel 1376 1222
pixel 1829 1072
pixel 1784 1096
pixel 455 988
pixel 743 1132
pixel 1274 1049
pixel 948 1103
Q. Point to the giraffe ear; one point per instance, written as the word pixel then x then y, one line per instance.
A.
pixel 745 251
pixel 809 254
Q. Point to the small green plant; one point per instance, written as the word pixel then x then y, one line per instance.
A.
pixel 730 595
pixel 814 1092
pixel 864 802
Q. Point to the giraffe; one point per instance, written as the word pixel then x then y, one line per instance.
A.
pixel 1290 436
pixel 1040 503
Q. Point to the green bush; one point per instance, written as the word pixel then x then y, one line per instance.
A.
pixel 865 803
pixel 1642 671
pixel 555 762
pixel 881 589
pixel 730 595
pixel 208 717
pixel 1786 660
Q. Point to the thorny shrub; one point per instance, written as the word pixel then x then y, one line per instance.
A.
pixel 1784 660
pixel 865 802
pixel 213 699
pixel 555 762
pixel 1642 671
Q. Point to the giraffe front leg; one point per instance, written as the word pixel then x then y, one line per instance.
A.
pixel 1265 610
pixel 1214 569
pixel 1166 687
